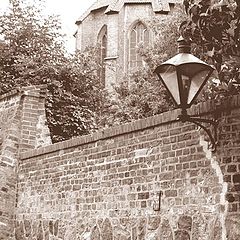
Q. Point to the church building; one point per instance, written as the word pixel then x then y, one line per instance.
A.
pixel 118 26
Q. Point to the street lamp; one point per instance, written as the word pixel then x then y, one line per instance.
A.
pixel 184 76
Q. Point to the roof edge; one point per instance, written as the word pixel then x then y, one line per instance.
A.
pixel 115 6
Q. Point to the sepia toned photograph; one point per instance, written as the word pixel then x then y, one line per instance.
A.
pixel 120 120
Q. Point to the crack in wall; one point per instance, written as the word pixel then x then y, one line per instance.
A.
pixel 223 202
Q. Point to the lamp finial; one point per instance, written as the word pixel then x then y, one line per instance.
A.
pixel 183 45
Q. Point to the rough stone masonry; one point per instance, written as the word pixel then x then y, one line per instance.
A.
pixel 153 179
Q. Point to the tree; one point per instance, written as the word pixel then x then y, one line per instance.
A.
pixel 32 52
pixel 76 97
pixel 213 28
pixel 32 45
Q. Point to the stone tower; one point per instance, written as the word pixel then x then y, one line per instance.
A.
pixel 119 26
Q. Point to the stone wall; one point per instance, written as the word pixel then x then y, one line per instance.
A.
pixel 22 127
pixel 151 179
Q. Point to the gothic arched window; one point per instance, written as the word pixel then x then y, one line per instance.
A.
pixel 102 39
pixel 138 34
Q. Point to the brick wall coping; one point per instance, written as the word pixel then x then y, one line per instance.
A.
pixel 9 94
pixel 204 108
pixel 28 90
pixel 111 58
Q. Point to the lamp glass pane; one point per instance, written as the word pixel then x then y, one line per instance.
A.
pixel 196 83
pixel 169 77
pixel 186 82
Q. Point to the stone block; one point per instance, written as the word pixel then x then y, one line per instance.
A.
pixel 185 223
pixel 233 226
pixel 107 230
pixel 165 231
pixel 181 235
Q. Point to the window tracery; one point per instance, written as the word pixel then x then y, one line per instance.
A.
pixel 102 39
pixel 139 33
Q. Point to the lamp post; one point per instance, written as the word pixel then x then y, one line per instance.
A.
pixel 184 76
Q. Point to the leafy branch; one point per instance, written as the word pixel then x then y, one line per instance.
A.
pixel 214 29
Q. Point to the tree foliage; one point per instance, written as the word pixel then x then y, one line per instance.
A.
pixel 32 52
pixel 76 97
pixel 142 98
pixel 214 29
pixel 29 48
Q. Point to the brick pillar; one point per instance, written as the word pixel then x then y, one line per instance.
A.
pixel 22 127
pixel 9 135
pixel 34 131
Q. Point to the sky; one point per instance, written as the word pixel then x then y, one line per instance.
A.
pixel 69 12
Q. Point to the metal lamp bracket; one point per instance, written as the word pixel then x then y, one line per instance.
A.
pixel 211 132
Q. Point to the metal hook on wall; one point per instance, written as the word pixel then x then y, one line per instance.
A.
pixel 157 206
